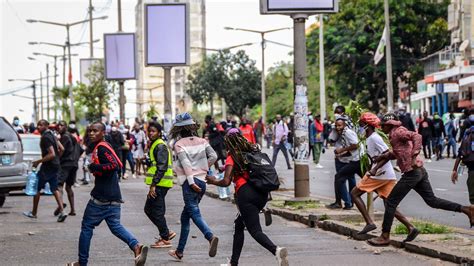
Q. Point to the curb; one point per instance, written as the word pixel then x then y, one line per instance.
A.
pixel 346 230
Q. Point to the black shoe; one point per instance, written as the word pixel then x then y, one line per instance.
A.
pixel 57 211
pixel 348 207
pixel 412 235
pixel 213 246
pixel 367 228
pixel 62 217
pixel 334 205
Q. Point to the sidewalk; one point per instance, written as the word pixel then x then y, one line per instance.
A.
pixel 46 242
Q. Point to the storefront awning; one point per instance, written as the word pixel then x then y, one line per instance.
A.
pixel 469 81
pixel 451 75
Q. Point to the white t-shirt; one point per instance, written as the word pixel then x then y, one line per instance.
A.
pixel 375 147
pixel 348 138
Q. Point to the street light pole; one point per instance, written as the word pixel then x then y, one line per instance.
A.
pixel 47 91
pixel 72 110
pixel 388 58
pixel 41 95
pixel 300 127
pixel 322 77
pixel 263 92
pixel 121 82
pixel 167 103
pixel 91 35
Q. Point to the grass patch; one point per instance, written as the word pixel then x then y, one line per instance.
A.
pixel 324 217
pixel 295 205
pixel 424 227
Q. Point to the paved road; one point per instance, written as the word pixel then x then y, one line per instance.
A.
pixel 321 182
pixel 45 242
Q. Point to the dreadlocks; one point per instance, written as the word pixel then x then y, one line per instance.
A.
pixel 237 145
pixel 178 132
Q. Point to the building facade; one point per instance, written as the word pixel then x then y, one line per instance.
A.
pixel 150 91
pixel 449 74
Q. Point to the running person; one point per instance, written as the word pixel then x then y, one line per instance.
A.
pixel 69 165
pixel 195 156
pixel 160 179
pixel 406 147
pixel 381 182
pixel 249 200
pixel 106 199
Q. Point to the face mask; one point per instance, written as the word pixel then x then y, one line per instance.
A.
pixel 72 126
pixel 436 117
pixel 362 130
pixel 16 122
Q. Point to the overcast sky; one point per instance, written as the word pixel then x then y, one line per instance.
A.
pixel 16 33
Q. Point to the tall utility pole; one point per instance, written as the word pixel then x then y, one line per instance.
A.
pixel 91 35
pixel 300 127
pixel 322 76
pixel 388 58
pixel 47 91
pixel 121 82
pixel 263 43
pixel 41 96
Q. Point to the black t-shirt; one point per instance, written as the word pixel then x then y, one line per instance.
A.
pixel 106 187
pixel 47 140
pixel 67 159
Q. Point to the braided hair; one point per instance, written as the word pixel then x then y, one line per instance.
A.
pixel 178 132
pixel 237 145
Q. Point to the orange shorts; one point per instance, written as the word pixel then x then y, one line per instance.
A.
pixel 382 187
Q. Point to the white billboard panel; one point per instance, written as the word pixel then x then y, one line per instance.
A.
pixel 167 34
pixel 119 49
pixel 86 65
pixel 298 6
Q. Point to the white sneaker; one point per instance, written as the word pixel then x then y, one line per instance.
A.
pixel 428 161
pixel 319 166
pixel 134 176
pixel 282 256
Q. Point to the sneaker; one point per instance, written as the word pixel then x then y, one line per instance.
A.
pixel 75 263
pixel 213 246
pixel 348 207
pixel 62 217
pixel 140 258
pixel 428 161
pixel 175 254
pixel 268 217
pixel 30 215
pixel 171 235
pixel 282 256
pixel 161 243
pixel 134 176
pixel 57 211
pixel 334 205
pixel 319 166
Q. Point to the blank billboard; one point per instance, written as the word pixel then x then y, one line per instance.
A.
pixel 166 34
pixel 119 49
pixel 297 6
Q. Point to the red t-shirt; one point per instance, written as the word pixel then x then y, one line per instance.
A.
pixel 239 180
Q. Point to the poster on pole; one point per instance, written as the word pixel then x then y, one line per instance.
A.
pixel 298 6
pixel 119 56
pixel 86 67
pixel 167 34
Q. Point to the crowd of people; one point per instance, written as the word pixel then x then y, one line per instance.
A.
pixel 183 153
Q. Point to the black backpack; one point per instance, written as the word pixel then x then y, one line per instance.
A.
pixel 262 174
pixel 77 149
pixel 466 151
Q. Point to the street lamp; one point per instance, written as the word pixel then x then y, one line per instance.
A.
pixel 33 86
pixel 262 35
pixel 68 43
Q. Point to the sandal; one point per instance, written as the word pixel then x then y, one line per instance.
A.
pixel 161 243
pixel 175 254
pixel 29 215
pixel 378 242
pixel 412 235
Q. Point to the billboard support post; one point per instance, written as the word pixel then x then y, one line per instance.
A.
pixel 299 10
pixel 167 104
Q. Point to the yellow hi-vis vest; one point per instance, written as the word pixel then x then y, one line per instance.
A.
pixel 167 180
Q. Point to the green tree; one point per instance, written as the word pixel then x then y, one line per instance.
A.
pixel 279 89
pixel 418 28
pixel 233 77
pixel 96 97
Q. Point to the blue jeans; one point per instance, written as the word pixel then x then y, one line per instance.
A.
pixel 93 216
pixel 191 211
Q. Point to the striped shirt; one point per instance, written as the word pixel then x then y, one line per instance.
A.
pixel 195 156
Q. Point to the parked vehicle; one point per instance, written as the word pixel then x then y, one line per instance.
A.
pixel 31 149
pixel 13 171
